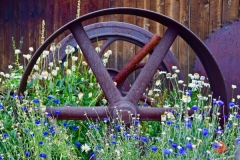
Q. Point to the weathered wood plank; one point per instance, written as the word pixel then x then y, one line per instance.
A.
pixel 184 50
pixel 129 48
pixel 215 11
pixel 230 10
pixel 172 8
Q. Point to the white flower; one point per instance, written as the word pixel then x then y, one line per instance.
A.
pixel 85 148
pixel 31 49
pixel 65 64
pixel 107 54
pixel 36 67
pixel 74 58
pixel 80 95
pixel 98 49
pixel 54 72
pixel 174 67
pixel 57 68
pixel 38 60
pixel 202 78
pixel 20 67
pixel 1 73
pixel 186 99
pixel 17 51
pixel 50 64
pixel 177 71
pixel 69 72
pixel 53 47
pixel 74 68
pixel 162 72
pixel 7 75
pixel 90 71
pixel 69 49
pixel 104 101
pixel 105 61
pixel 90 95
pixel 10 66
pixel 234 86
pixel 196 75
pixel 84 63
pixel 158 82
pixel 45 53
pixel 238 96
pixel 150 92
pixel 45 74
pixel 180 82
pixel 156 90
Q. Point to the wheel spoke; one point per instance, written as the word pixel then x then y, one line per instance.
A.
pixel 110 90
pixel 151 66
pixel 79 113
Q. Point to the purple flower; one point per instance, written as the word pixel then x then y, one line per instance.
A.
pixel 91 126
pixel 219 102
pixel 188 124
pixel 238 116
pixel 224 117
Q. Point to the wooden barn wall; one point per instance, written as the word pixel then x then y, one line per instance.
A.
pixel 24 19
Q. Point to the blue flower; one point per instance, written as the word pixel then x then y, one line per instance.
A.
pixel 195 108
pixel 166 151
pixel 169 122
pixel 65 124
pixel 219 102
pixel 144 139
pixel 189 145
pixel 91 126
pixel 37 122
pixel 139 104
pixel 5 135
pixel 92 155
pixel 1 106
pixel 118 127
pixel 181 151
pixel 238 116
pixel 31 134
pixel 106 120
pixel 188 124
pixel 75 128
pixel 27 130
pixel 57 112
pixel 14 95
pixel 154 148
pixel 189 92
pixel 219 131
pixel 114 136
pixel 43 155
pixel 98 147
pixel 216 145
pixel 224 117
pixel 114 142
pixel 45 133
pixel 145 104
pixel 27 154
pixel 24 108
pixel 98 127
pixel 174 145
pixel 137 122
pixel 229 125
pixel 237 140
pixel 50 97
pixel 78 144
pixel 170 141
pixel 136 137
pixel 205 132
pixel 56 101
pixel 40 143
pixel 36 101
pixel 51 127
pixel 20 97
pixel 231 105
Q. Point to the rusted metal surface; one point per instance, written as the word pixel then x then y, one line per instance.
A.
pixel 130 66
pixel 128 104
pixel 224 44
pixel 113 31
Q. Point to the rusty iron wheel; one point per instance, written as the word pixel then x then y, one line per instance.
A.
pixel 128 103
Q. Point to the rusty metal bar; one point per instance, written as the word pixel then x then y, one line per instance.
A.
pixel 129 67
pixel 110 90
pixel 151 66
